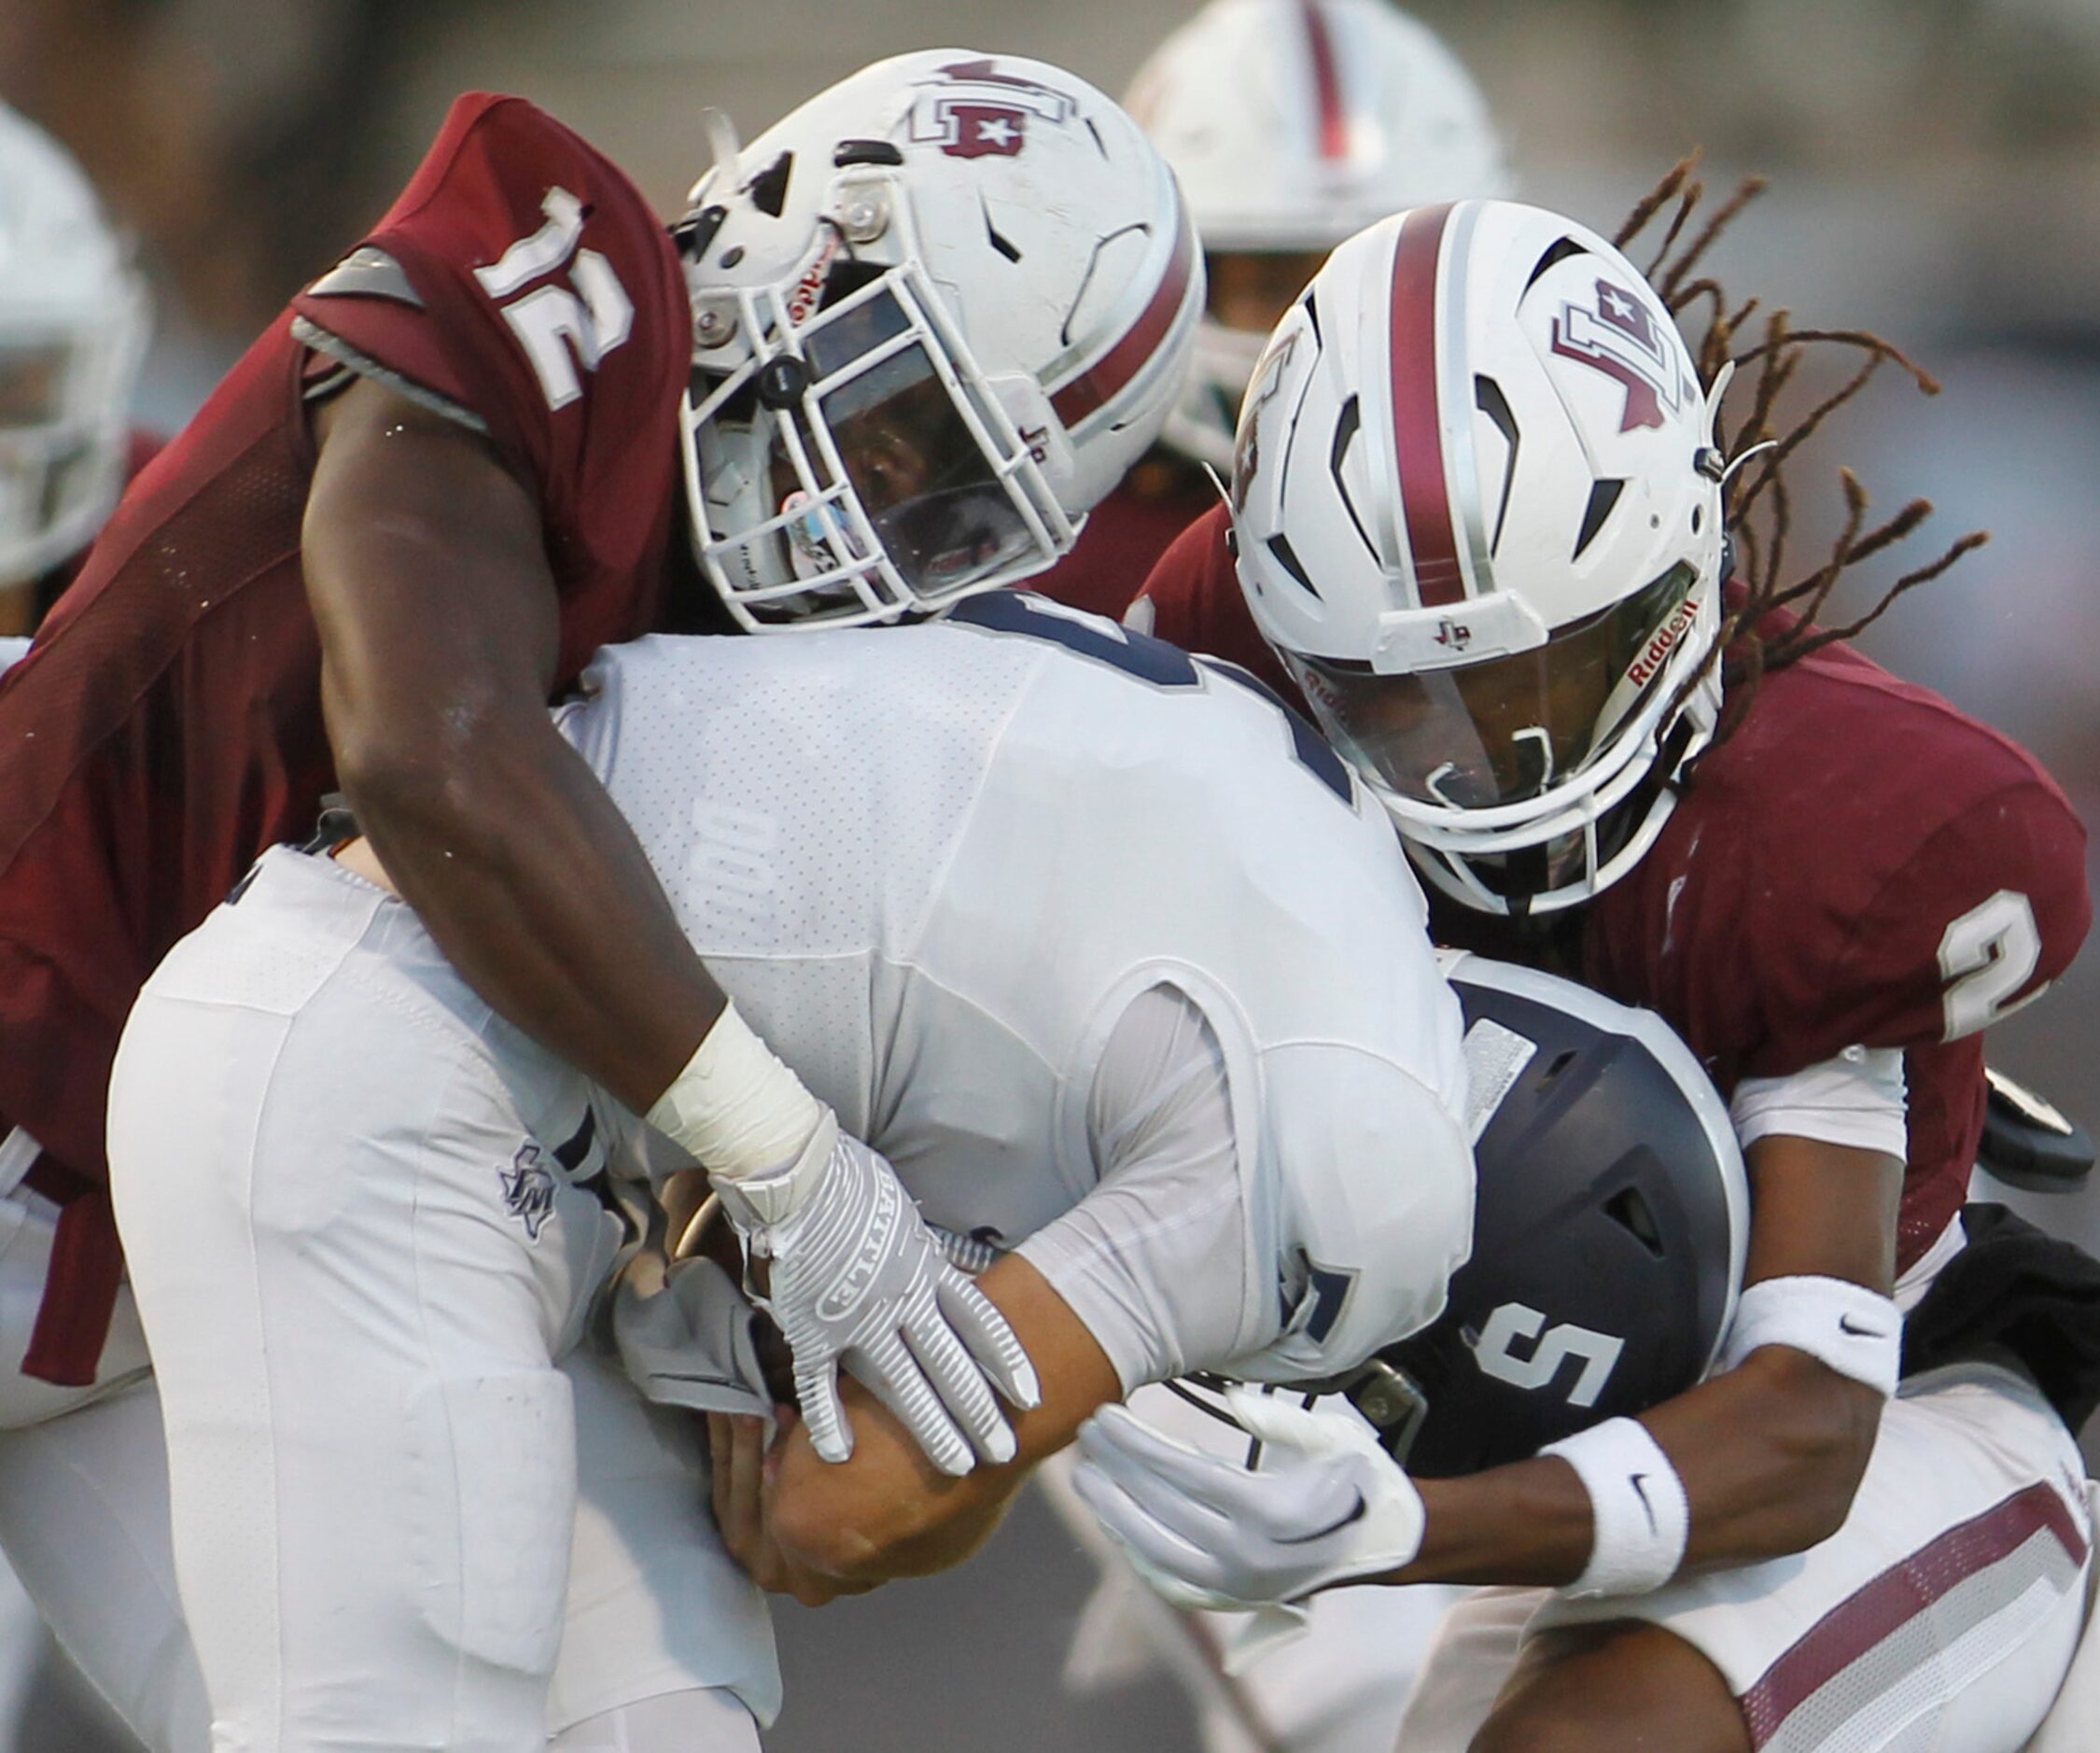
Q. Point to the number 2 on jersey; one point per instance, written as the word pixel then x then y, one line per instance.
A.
pixel 1985 957
pixel 560 327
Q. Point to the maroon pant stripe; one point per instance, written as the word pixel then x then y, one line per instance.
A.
pixel 1898 1595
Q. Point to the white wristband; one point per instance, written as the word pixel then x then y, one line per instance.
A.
pixel 1638 1516
pixel 735 1108
pixel 1855 1331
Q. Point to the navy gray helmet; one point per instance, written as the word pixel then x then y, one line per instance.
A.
pixel 1609 1234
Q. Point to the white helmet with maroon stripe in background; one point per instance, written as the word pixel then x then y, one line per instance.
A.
pixel 1293 124
pixel 938 310
pixel 74 318
pixel 1477 513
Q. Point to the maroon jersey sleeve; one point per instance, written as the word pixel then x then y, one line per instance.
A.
pixel 1896 875
pixel 157 737
pixel 1125 535
pixel 522 279
pixel 141 448
pixel 1861 864
pixel 1197 604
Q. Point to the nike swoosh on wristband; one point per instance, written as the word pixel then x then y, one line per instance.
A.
pixel 1845 1325
pixel 1639 1490
pixel 1356 1513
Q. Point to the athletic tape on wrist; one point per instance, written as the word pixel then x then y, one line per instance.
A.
pixel 1638 1516
pixel 1855 1331
pixel 736 1107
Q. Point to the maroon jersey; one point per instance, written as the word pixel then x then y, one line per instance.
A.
pixel 140 448
pixel 1125 534
pixel 167 726
pixel 1859 864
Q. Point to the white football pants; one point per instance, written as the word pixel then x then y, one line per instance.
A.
pixel 1941 1618
pixel 346 1195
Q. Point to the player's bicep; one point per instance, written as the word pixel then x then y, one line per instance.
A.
pixel 424 566
pixel 1820 1210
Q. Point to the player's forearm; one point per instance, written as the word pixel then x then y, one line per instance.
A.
pixel 888 1512
pixel 439 616
pixel 1770 1455
pixel 530 880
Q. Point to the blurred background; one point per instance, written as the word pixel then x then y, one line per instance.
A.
pixel 1935 176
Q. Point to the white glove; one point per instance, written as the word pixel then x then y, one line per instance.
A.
pixel 1327 1505
pixel 857 1279
pixel 691 1343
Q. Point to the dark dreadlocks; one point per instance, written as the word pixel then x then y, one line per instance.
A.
pixel 1758 508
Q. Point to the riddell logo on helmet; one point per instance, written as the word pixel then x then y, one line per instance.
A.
pixel 809 289
pixel 1643 667
pixel 976 112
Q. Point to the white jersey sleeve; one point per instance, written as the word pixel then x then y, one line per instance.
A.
pixel 1157 1259
pixel 1197 1249
pixel 1373 1174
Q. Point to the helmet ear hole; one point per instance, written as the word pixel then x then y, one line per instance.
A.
pixel 1553 257
pixel 1631 1211
pixel 1279 546
pixel 1604 497
pixel 768 190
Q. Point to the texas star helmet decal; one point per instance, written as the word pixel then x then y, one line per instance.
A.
pixel 1267 379
pixel 1619 338
pixel 973 112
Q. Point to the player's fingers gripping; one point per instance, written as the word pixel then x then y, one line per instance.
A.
pixel 1286 1428
pixel 1154 1466
pixel 1174 1567
pixel 742 1464
pixel 885 1363
pixel 956 1377
pixel 992 1342
pixel 817 1394
pixel 1196 1500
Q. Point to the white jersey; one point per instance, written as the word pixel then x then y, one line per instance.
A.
pixel 934 867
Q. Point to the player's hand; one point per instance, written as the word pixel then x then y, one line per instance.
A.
pixel 742 1478
pixel 1327 1505
pixel 857 1279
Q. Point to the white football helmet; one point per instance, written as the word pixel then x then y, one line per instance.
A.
pixel 1477 513
pixel 74 318
pixel 1292 125
pixel 937 312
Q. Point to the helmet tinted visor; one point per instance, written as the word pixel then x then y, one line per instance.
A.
pixel 32 384
pixel 932 494
pixel 1504 730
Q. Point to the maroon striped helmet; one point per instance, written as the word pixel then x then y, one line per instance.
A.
pixel 937 312
pixel 1479 515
